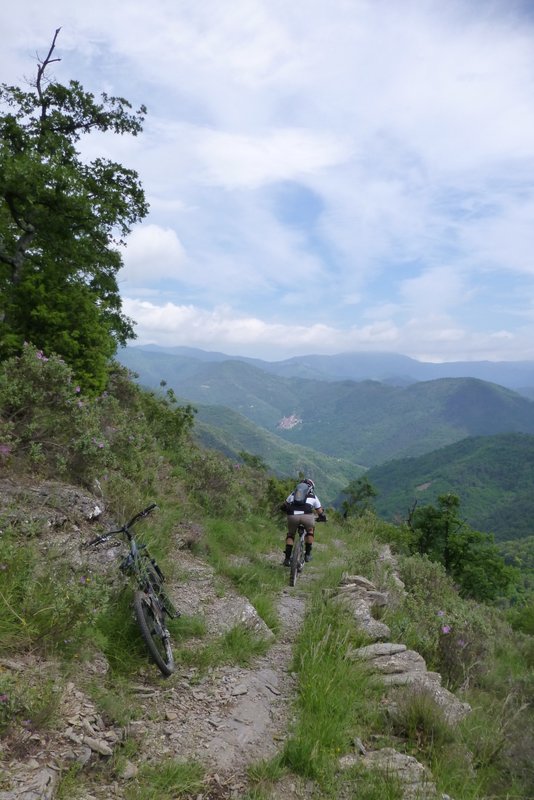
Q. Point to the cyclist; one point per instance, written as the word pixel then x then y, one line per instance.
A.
pixel 302 506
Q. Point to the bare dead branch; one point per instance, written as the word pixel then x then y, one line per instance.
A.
pixel 41 71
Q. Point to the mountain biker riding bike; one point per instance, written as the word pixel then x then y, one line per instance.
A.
pixel 302 506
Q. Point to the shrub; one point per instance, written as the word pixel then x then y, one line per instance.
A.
pixel 216 484
pixel 50 425
pixel 455 636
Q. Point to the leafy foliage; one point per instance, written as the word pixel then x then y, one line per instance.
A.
pixel 357 497
pixel 48 422
pixel 470 557
pixel 61 223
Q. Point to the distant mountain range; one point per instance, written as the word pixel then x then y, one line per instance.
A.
pixel 296 415
pixel 390 368
pixel 364 422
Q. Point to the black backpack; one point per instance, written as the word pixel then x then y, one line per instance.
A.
pixel 300 496
pixel 302 490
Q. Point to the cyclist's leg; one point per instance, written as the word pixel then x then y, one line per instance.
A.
pixel 309 524
pixel 292 524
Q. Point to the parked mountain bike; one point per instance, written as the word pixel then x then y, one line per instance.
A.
pixel 151 603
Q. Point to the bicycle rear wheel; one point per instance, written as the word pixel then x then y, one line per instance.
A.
pixel 295 561
pixel 153 631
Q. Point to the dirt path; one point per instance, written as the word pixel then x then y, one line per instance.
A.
pixel 234 716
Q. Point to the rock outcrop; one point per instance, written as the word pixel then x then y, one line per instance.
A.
pixel 397 666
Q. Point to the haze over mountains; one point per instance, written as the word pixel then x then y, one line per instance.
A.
pixel 391 368
pixel 337 416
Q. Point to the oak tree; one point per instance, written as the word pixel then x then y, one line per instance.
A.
pixel 62 222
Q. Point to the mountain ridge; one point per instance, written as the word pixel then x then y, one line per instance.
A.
pixel 363 422
pixel 384 367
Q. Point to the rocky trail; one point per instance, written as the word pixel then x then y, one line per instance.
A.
pixel 227 717
pixel 233 716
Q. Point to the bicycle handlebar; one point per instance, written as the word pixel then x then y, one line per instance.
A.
pixel 144 513
pixel 125 528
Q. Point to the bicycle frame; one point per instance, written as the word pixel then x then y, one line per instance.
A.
pixel 151 602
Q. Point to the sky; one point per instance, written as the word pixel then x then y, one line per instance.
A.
pixel 323 177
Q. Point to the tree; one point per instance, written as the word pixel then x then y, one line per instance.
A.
pixel 469 556
pixel 357 497
pixel 62 221
pixel 434 527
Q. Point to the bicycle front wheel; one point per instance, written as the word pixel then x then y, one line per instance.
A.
pixel 154 633
pixel 295 561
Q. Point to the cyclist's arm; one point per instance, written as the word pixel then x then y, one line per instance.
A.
pixel 317 507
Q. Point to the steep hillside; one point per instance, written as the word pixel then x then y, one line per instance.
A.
pixel 426 692
pixel 229 432
pixel 492 475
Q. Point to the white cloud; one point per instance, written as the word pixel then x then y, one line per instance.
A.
pixel 411 123
pixel 428 337
pixel 152 253
pixel 435 290
pixel 504 239
pixel 233 160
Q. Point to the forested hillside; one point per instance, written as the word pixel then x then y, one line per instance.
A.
pixel 232 434
pixel 492 475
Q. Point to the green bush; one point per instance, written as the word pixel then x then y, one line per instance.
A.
pixel 217 485
pixel 50 425
pixel 455 636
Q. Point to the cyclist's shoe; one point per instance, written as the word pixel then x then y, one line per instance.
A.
pixel 286 562
pixel 308 557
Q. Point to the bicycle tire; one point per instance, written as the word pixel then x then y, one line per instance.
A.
pixel 158 645
pixel 295 561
